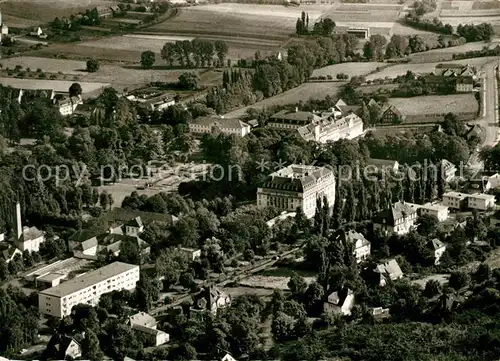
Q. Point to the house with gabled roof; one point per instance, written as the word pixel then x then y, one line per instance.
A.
pixel 146 324
pixel 391 115
pixel 62 347
pixel 448 170
pixel 211 299
pixel 388 270
pixel 213 123
pixel 399 219
pixel 361 245
pixel 438 248
pixel 339 303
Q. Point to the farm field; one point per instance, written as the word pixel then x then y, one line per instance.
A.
pixel 303 92
pixel 270 282
pixel 57 85
pixel 351 69
pixel 420 68
pixel 24 13
pixel 47 65
pixel 445 54
pixel 435 104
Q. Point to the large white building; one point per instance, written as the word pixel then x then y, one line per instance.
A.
pixel 87 289
pixel 297 186
pixel 211 123
pixel 399 219
pixel 332 129
pixel 481 201
pixel 455 200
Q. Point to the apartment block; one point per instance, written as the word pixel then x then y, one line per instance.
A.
pixel 297 186
pixel 455 200
pixel 87 289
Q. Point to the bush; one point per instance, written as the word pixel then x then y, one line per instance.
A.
pixel 92 65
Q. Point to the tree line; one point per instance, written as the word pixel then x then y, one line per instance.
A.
pixel 195 53
pixel 323 27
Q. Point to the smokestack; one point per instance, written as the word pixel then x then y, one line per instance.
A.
pixel 19 221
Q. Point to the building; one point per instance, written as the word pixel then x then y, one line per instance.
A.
pixel 456 70
pixel 481 201
pixel 9 252
pixel 390 269
pixel 284 215
pixel 494 180
pixel 134 227
pixel 437 210
pixel 332 129
pixel 361 33
pixel 58 301
pixel 399 219
pixel 28 238
pixel 213 123
pixel 391 115
pixel 448 170
pixel 438 248
pixel 211 299
pixel 294 119
pixel 297 186
pixel 49 280
pixel 228 357
pixel 455 200
pixel 104 12
pixel 38 32
pixel 464 84
pixel 339 303
pixel 481 184
pixel 62 347
pixel 191 253
pixel 362 247
pixel 383 165
pixel 146 325
pixel 67 106
pixel 4 29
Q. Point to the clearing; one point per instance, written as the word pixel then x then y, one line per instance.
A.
pixel 351 69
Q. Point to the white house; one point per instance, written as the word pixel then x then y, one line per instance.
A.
pixel 448 170
pixel 134 227
pixel 28 238
pixel 340 303
pixel 362 247
pixel 211 123
pixel 494 180
pixel 147 326
pixel 228 357
pixel 389 269
pixel 455 200
pixel 438 248
pixel 191 253
pixel 481 201
pixel 399 219
pixel 38 32
pixel 68 105
pixel 437 210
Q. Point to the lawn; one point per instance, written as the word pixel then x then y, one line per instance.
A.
pixel 57 85
pixel 435 104
pixel 72 67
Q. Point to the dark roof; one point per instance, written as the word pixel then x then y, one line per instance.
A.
pixel 345 109
pixel 217 121
pixel 57 346
pixel 398 211
pixel 295 178
pixel 207 297
pixel 338 298
pixel 294 115
pixel 450 66
pixel 8 252
pixel 465 80
pixel 136 222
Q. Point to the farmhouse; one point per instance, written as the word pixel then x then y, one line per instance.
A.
pixel 4 29
pixel 339 303
pixel 455 70
pixel 391 115
pixel 399 219
pixel 297 186
pixel 213 123
pixel 433 109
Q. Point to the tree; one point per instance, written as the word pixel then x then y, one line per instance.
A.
pixel 147 292
pixel 459 280
pixel 432 288
pixel 75 90
pixel 189 81
pixel 374 48
pixel 104 200
pixel 168 53
pixel 147 59
pixel 91 350
pixel 92 65
pixel 297 284
pixel 221 50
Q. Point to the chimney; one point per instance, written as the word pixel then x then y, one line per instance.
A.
pixel 19 222
pixel 296 109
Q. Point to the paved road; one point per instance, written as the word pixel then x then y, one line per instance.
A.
pixel 489 118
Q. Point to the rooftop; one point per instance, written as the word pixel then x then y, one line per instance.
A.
pixel 49 277
pixel 482 196
pixel 296 177
pixel 382 162
pixel 89 279
pixel 391 267
pixel 434 206
pixel 214 120
pixel 295 115
pixel 143 319
pixel 399 210
pixel 455 195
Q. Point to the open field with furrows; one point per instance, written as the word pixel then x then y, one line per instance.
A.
pixel 22 13
pixel 435 104
pixel 446 54
pixel 303 92
pixel 58 85
pixel 73 67
pixel 351 69
pixel 422 68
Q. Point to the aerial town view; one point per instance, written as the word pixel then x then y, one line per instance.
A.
pixel 242 180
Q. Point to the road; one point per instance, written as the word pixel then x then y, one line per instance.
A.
pixel 489 117
pixel 247 272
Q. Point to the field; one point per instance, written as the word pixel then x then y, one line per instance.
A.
pixel 47 65
pixel 435 104
pixel 421 68
pixel 21 13
pixel 303 92
pixel 57 85
pixel 447 53
pixel 351 69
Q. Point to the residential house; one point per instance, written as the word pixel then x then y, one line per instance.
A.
pixel 481 201
pixel 339 303
pixel 383 165
pixel 391 115
pixel 62 347
pixel 211 299
pixel 146 325
pixel 494 180
pixel 134 227
pixel 388 269
pixel 438 248
pixel 213 123
pixel 67 106
pixel 437 210
pixel 455 200
pixel 104 12
pixel 191 253
pixel 361 245
pixel 464 84
pixel 228 357
pixel 380 312
pixel 38 32
pixel 112 243
pixel 448 170
pixel 85 248
pixel 9 252
pixel 452 69
pixel 297 186
pixel 399 219
pixel 4 29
